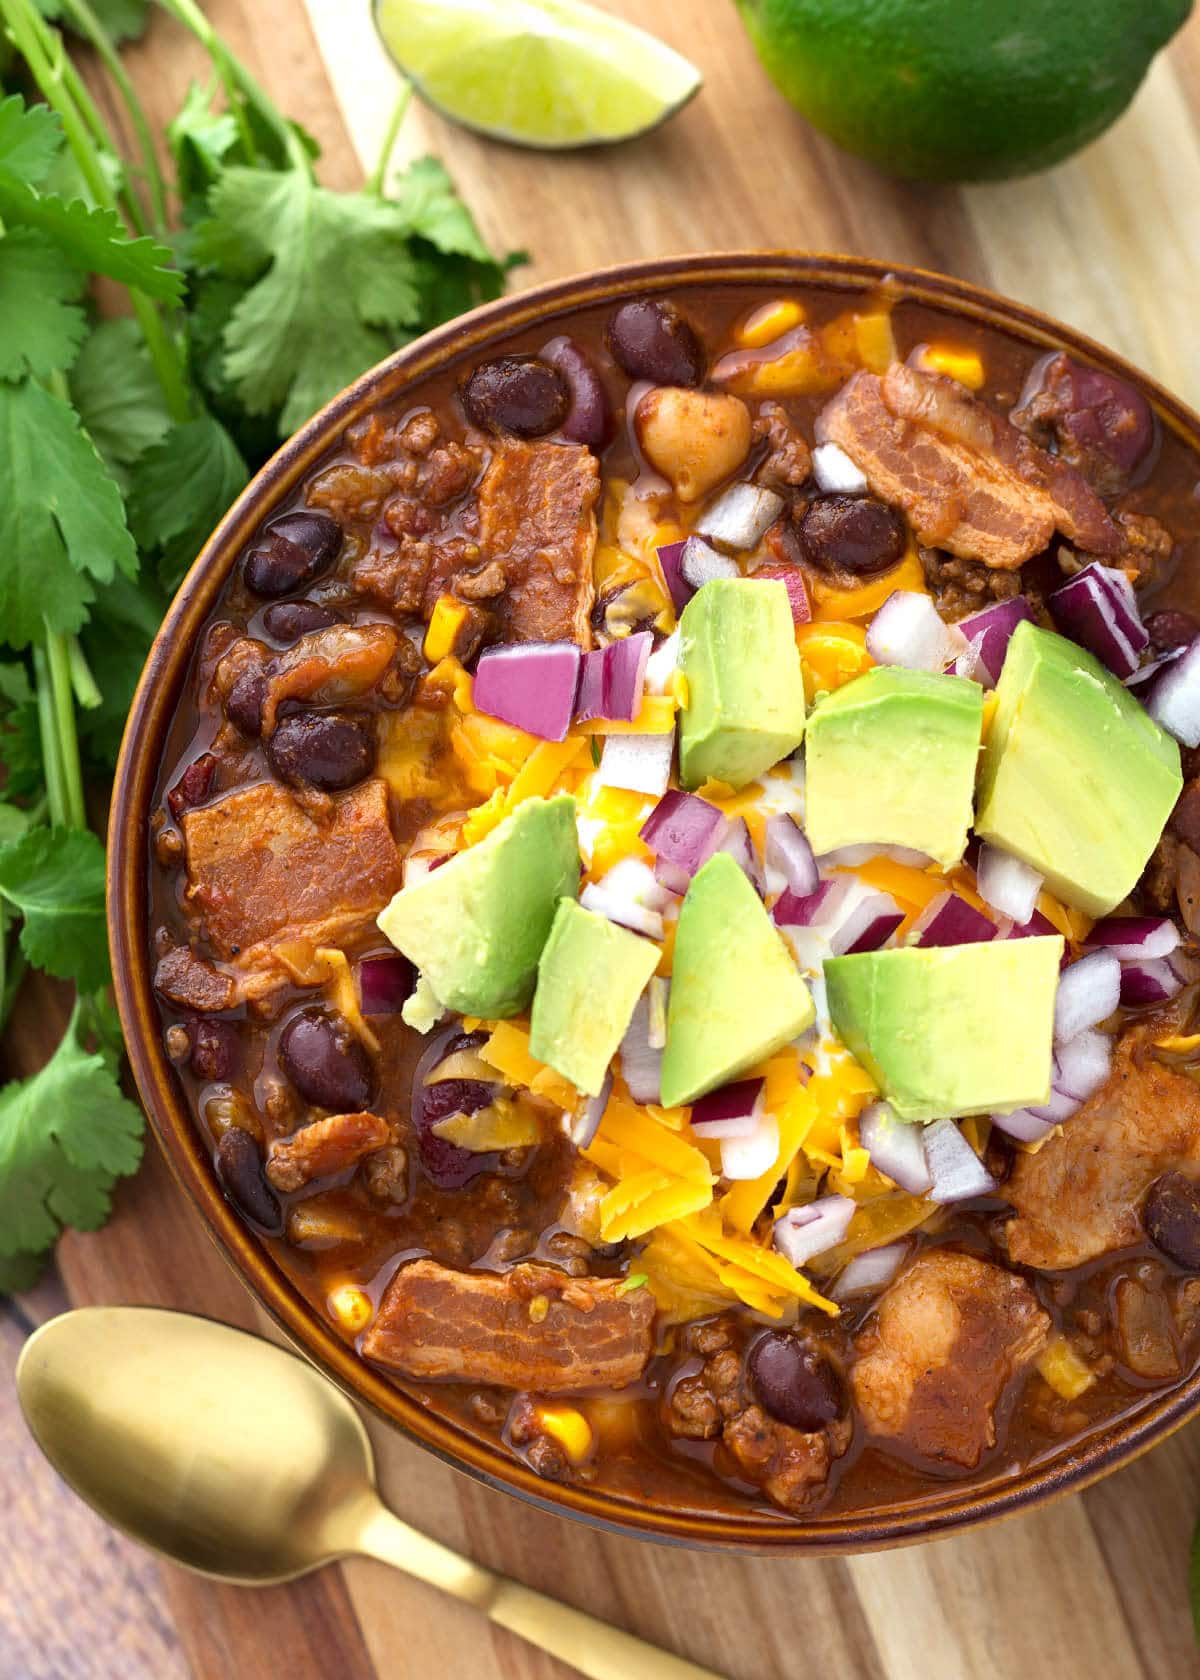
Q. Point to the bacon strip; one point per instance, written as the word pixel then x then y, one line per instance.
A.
pixel 537 519
pixel 325 1147
pixel 967 480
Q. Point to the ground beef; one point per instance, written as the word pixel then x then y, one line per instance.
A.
pixel 1157 886
pixel 1146 548
pixel 787 463
pixel 961 587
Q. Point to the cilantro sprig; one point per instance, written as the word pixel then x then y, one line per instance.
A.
pixel 122 441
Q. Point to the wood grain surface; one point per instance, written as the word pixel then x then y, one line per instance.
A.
pixel 1093 1588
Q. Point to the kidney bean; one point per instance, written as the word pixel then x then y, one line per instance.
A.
pixel 328 750
pixel 291 551
pixel 287 621
pixel 794 1382
pixel 651 339
pixel 1099 423
pixel 589 418
pixel 1172 1219
pixel 244 703
pixel 240 1171
pixel 325 1062
pixel 215 1048
pixel 519 394
pixel 852 534
pixel 194 786
pixel 1172 629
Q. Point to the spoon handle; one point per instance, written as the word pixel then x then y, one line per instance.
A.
pixel 596 1649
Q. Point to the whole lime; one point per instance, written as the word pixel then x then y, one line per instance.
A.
pixel 965 90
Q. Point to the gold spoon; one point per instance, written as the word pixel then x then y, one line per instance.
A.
pixel 240 1460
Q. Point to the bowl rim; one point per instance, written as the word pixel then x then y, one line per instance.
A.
pixel 178 1135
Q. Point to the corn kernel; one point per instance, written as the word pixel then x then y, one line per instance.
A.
pixel 769 322
pixel 964 365
pixel 445 622
pixel 569 1428
pixel 538 1308
pixel 1067 1374
pixel 351 1307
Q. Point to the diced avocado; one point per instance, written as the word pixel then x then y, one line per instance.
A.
pixel 745 708
pixel 736 994
pixel 954 1029
pixel 475 927
pixel 890 758
pixel 590 976
pixel 1076 779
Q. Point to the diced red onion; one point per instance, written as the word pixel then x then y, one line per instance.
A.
pixel 683 831
pixel 385 984
pixel 896 1148
pixel 700 564
pixel 641 763
pixel 792 910
pixel 1145 678
pixel 1131 938
pixel 419 864
pixel 1150 981
pixel 662 664
pixel 835 472
pixel 1089 991
pixel 738 520
pixel 641 1061
pixel 670 558
pixel 792 579
pixel 870 1271
pixel 737 842
pixel 1024 1125
pixel 733 1111
pixel 789 857
pixel 1037 927
pixel 868 923
pixel 531 685
pixel 624 911
pixel 1007 884
pixel 957 1171
pixel 989 633
pixel 1082 1065
pixel 1175 699
pixel 909 631
pixel 587 1122
pixel 1097 608
pixel 612 679
pixel 950 920
pixel 804 1232
pixel 752 1156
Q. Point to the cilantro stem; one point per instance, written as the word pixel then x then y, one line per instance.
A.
pixel 87 691
pixel 85 18
pixel 58 660
pixel 378 179
pixel 51 744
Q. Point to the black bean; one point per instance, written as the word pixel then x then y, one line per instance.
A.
pixel 1172 629
pixel 794 1382
pixel 215 1048
pixel 328 750
pixel 589 418
pixel 444 1163
pixel 652 340
pixel 519 394
pixel 239 1168
pixel 194 786
pixel 291 552
pixel 325 1062
pixel 1172 1219
pixel 852 534
pixel 287 621
pixel 244 703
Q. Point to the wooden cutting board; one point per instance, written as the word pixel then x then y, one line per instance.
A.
pixel 1093 1587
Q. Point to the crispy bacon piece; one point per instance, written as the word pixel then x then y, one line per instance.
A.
pixel 323 1148
pixel 537 519
pixel 264 866
pixel 966 478
pixel 1080 1196
pixel 939 1351
pixel 329 666
pixel 529 1328
pixel 192 982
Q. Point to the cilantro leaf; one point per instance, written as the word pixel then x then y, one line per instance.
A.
pixel 20 734
pixel 62 521
pixel 426 196
pixel 31 138
pixel 118 396
pixel 41 325
pixel 180 489
pixel 124 20
pixel 93 238
pixel 338 286
pixel 65 1136
pixel 202 142
pixel 13 822
pixel 55 878
pixel 21 1271
pixel 116 639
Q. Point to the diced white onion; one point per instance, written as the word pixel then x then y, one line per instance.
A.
pixel 636 881
pixel 750 1157
pixel 1007 884
pixel 700 564
pixel 909 631
pixel 835 472
pixel 873 1270
pixel 896 1148
pixel 584 1126
pixel 1175 699
pixel 957 1171
pixel 1082 1065
pixel 739 519
pixel 662 664
pixel 804 1232
pixel 641 763
pixel 622 910
pixel 1089 991
pixel 641 1060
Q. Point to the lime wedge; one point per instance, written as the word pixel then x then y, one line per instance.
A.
pixel 536 72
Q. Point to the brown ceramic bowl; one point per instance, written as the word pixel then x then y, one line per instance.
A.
pixel 939 1508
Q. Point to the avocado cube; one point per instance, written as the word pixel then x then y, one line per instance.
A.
pixel 951 1030
pixel 736 994
pixel 745 707
pixel 476 926
pixel 890 759
pixel 590 976
pixel 1077 779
